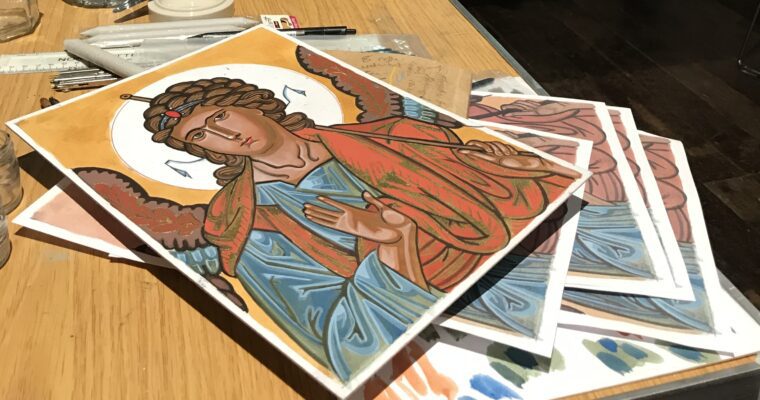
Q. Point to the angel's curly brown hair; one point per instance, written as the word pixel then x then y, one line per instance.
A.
pixel 219 92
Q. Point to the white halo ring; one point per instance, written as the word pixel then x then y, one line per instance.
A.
pixel 132 142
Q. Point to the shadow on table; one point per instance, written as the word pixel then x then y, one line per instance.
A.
pixel 400 368
pixel 242 334
pixel 40 169
pixel 44 237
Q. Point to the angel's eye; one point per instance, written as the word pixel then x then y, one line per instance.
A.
pixel 198 135
pixel 220 116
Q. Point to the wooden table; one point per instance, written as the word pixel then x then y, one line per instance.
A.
pixel 78 325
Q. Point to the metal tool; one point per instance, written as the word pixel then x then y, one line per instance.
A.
pixel 86 79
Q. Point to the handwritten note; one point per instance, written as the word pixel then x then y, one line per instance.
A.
pixel 440 84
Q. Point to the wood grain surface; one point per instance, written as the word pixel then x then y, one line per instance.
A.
pixel 75 325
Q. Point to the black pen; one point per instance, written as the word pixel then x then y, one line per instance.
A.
pixel 320 30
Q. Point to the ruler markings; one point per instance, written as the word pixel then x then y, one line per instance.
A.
pixel 50 62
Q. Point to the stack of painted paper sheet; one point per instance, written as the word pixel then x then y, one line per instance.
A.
pixel 338 217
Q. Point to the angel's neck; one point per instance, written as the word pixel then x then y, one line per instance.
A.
pixel 291 163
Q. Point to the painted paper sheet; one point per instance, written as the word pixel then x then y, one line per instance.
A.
pixel 518 301
pixel 443 363
pixel 67 213
pixel 699 323
pixel 333 214
pixel 617 248
pixel 628 136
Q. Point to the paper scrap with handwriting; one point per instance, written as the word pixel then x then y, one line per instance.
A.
pixel 440 84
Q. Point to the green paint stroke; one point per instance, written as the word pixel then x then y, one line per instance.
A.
pixel 619 356
pixel 457 335
pixel 429 334
pixel 689 353
pixel 518 366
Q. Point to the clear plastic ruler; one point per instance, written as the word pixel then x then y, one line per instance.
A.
pixel 51 62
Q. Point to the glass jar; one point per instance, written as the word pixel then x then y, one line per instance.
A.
pixel 5 241
pixel 10 176
pixel 17 18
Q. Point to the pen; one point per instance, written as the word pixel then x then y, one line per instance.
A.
pixel 483 82
pixel 320 30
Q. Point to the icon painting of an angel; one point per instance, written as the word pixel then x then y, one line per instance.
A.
pixel 333 214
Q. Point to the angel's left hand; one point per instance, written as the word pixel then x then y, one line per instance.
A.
pixel 502 154
pixel 379 223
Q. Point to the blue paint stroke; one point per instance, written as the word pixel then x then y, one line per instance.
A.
pixel 614 363
pixel 178 170
pixel 686 352
pixel 620 356
pixel 691 354
pixel 287 89
pixel 492 388
pixel 608 344
pixel 633 351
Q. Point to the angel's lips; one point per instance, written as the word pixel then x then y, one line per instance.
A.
pixel 246 142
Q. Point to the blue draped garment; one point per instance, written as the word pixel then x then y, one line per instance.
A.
pixel 608 242
pixel 342 322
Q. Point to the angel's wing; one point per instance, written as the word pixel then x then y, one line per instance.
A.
pixel 179 228
pixel 175 226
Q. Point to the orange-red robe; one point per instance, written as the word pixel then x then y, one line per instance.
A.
pixel 465 208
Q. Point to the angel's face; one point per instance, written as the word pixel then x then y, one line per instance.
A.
pixel 231 130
